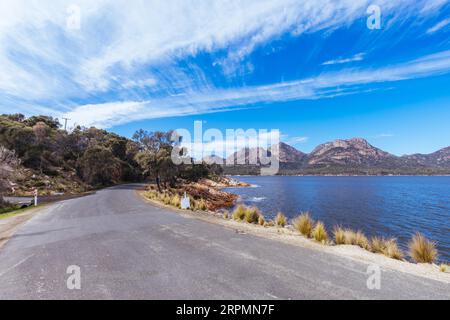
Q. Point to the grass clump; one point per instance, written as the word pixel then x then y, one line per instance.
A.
pixel 261 220
pixel 339 235
pixel 361 240
pixel 422 250
pixel 269 223
pixel 252 215
pixel 393 251
pixel 378 245
pixel 226 216
pixel 304 224
pixel 349 237
pixel 201 205
pixel 319 232
pixel 175 201
pixel 443 268
pixel 166 199
pixel 239 213
pixel 388 247
pixel 280 220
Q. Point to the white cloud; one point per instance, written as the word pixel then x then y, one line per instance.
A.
pixel 356 57
pixel 127 53
pixel 384 135
pixel 296 140
pixel 326 85
pixel 439 26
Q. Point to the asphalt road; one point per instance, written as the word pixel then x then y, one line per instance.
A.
pixel 129 249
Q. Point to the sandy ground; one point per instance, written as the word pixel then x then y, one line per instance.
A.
pixel 290 236
pixel 9 226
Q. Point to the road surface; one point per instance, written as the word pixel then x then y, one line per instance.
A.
pixel 128 249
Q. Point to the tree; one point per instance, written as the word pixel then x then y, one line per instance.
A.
pixel 98 166
pixel 158 165
pixel 53 123
pixel 8 164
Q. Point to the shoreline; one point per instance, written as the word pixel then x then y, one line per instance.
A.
pixel 289 236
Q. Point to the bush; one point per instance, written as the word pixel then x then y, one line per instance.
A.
pixel 339 235
pixel 422 250
pixel 175 201
pixel 269 223
pixel 226 216
pixel 166 199
pixel 239 213
pixel 304 224
pixel 388 247
pixel 320 233
pixel 378 245
pixel 350 237
pixel 252 215
pixel 201 205
pixel 361 240
pixel 261 220
pixel 280 219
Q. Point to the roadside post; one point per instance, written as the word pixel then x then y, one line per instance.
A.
pixel 185 203
pixel 35 197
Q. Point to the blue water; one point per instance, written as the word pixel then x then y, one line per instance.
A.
pixel 384 206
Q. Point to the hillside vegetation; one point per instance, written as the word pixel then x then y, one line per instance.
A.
pixel 36 153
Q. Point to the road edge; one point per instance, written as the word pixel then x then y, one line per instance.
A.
pixel 289 236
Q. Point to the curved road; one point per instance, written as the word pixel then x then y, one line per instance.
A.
pixel 129 249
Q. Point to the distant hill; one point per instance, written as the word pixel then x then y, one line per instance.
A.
pixel 354 156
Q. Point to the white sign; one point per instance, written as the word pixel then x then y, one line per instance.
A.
pixel 185 203
pixel 35 197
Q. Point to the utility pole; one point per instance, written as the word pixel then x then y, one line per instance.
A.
pixel 65 123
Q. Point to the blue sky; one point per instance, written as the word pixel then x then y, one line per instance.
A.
pixel 312 68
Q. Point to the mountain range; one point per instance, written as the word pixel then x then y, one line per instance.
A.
pixel 354 156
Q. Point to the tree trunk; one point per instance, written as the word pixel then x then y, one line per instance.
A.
pixel 158 183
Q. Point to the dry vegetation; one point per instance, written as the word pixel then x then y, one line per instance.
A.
pixel 388 247
pixel 304 224
pixel 422 250
pixel 320 233
pixel 280 220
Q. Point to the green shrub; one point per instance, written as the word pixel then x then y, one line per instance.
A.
pixel 320 233
pixel 252 215
pixel 239 213
pixel 280 219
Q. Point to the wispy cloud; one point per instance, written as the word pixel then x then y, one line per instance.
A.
pixel 440 25
pixel 347 81
pixel 132 60
pixel 296 140
pixel 384 135
pixel 356 57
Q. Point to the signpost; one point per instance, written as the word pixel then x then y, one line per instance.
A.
pixel 185 203
pixel 35 197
